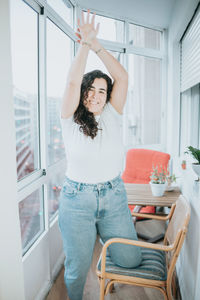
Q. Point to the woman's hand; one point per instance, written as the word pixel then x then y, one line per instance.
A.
pixel 86 31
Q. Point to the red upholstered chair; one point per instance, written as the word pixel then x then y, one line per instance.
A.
pixel 139 163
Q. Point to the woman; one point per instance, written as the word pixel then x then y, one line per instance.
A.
pixel 93 198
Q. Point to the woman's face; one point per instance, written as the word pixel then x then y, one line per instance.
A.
pixel 97 95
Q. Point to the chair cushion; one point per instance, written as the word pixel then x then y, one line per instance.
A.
pixel 152 267
pixel 139 163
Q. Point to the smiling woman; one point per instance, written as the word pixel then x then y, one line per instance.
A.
pixel 91 124
pixel 96 96
pixel 96 89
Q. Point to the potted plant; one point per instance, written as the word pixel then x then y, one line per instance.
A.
pixel 158 181
pixel 195 153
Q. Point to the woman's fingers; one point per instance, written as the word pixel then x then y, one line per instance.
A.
pixel 82 18
pixel 88 16
pixel 97 28
pixel 93 17
pixel 79 23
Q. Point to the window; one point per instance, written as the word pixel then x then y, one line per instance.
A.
pixel 110 29
pixel 143 108
pixel 144 37
pixel 190 119
pixel 63 8
pixel 31 212
pixel 94 62
pixel 190 86
pixel 59 48
pixel 54 188
pixel 24 39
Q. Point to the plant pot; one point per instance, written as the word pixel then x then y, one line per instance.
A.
pixel 196 168
pixel 183 165
pixel 158 189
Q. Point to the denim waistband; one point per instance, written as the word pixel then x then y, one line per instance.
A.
pixel 79 185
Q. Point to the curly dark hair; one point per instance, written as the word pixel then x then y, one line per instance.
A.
pixel 82 115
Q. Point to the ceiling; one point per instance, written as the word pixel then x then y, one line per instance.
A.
pixel 153 13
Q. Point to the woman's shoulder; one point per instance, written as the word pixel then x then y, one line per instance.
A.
pixel 67 123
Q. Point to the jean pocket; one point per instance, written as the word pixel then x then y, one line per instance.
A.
pixel 69 190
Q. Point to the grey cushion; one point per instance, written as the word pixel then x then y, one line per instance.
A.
pixel 152 267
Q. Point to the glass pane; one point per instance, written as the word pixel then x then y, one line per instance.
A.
pixel 24 39
pixel 143 108
pixel 54 188
pixel 63 9
pixel 185 120
pixel 110 29
pixel 59 48
pixel 190 116
pixel 144 37
pixel 31 213
pixel 94 62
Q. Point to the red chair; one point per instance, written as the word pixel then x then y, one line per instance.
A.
pixel 139 164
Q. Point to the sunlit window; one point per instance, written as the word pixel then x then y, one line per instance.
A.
pixel 31 213
pixel 54 188
pixel 59 48
pixel 190 119
pixel 94 62
pixel 24 39
pixel 63 8
pixel 140 36
pixel 143 119
pixel 110 29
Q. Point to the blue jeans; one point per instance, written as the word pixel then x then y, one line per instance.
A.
pixel 84 210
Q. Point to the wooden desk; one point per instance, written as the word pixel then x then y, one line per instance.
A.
pixel 140 194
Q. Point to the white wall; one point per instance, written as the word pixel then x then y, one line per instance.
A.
pixel 11 269
pixel 188 266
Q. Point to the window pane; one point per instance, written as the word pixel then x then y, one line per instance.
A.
pixel 63 9
pixel 24 38
pixel 58 62
pixel 144 37
pixel 31 215
pixel 54 188
pixel 143 108
pixel 94 62
pixel 110 29
pixel 190 118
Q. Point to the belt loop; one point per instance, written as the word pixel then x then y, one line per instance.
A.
pixel 79 185
pixel 111 184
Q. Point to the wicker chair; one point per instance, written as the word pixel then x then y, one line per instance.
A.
pixel 156 272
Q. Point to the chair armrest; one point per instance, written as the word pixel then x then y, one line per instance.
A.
pixel 138 244
pixel 150 216
pixel 155 217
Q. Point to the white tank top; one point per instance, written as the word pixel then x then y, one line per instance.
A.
pixel 99 159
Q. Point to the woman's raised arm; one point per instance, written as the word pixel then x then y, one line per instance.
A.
pixel 71 95
pixel 118 73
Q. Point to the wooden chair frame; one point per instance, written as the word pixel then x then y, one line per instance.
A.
pixel 174 237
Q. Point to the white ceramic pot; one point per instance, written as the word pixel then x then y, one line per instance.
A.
pixel 158 189
pixel 196 168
